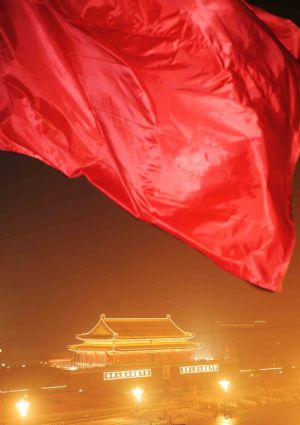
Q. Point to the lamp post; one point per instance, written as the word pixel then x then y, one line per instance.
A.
pixel 275 355
pixel 225 385
pixel 23 407
pixel 137 393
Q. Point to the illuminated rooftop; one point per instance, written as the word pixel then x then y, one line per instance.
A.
pixel 182 345
pixel 133 341
pixel 134 328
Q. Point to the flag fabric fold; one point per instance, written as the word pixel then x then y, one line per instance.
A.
pixel 186 113
pixel 284 29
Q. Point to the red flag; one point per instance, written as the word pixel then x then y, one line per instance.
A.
pixel 285 30
pixel 185 113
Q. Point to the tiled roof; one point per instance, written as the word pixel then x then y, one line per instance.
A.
pixel 134 328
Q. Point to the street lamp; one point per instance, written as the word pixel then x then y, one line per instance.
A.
pixel 137 393
pixel 224 384
pixel 225 405
pixel 23 407
pixel 226 421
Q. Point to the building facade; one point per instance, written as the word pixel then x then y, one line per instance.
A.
pixel 120 352
pixel 133 341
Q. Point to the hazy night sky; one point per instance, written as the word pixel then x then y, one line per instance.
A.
pixel 68 253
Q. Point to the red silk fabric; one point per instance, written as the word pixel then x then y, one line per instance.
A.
pixel 184 112
pixel 285 30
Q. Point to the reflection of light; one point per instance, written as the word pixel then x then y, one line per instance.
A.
pixel 137 392
pixel 226 421
pixel 270 368
pixel 14 391
pixel 224 384
pixel 71 367
pixel 23 407
pixel 54 387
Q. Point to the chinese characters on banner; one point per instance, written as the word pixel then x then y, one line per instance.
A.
pixel 199 368
pixel 126 374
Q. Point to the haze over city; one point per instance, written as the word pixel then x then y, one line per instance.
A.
pixel 69 254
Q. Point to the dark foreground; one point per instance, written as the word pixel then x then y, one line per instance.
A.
pixel 279 414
